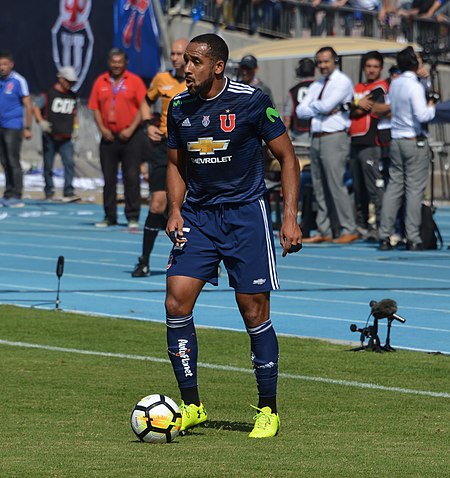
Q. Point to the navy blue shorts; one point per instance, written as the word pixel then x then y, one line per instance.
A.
pixel 239 235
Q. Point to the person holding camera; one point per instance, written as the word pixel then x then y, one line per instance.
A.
pixel 368 107
pixel 410 152
pixel 327 103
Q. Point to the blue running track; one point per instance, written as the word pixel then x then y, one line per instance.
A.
pixel 325 287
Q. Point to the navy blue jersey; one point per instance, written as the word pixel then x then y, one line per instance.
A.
pixel 222 138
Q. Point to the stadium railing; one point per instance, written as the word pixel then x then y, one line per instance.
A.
pixel 296 18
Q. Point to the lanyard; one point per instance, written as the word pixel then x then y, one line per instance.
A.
pixel 116 89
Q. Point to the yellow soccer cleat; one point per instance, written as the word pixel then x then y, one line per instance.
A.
pixel 267 424
pixel 192 415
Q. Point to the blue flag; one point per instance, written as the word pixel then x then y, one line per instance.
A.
pixel 136 31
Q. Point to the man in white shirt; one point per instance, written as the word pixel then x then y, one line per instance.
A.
pixel 330 147
pixel 410 152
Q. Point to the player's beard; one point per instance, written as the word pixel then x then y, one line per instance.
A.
pixel 202 88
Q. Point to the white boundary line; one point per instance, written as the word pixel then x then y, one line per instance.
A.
pixel 227 368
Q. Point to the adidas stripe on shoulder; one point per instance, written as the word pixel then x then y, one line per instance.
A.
pixel 236 87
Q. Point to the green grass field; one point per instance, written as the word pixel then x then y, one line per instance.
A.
pixel 65 413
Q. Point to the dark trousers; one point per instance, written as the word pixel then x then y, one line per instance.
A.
pixel 10 144
pixel 128 154
pixel 368 183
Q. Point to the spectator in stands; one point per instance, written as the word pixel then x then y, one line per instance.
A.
pixel 442 14
pixel 14 101
pixel 299 128
pixel 365 155
pixel 330 147
pixel 248 67
pixel 164 87
pixel 359 6
pixel 320 19
pixel 410 152
pixel 389 16
pixel 56 113
pixel 116 98
pixel 421 8
pixel 256 15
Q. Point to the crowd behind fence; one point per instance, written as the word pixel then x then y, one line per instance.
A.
pixel 294 18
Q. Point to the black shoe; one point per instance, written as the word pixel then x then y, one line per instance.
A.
pixel 142 269
pixel 414 247
pixel 385 245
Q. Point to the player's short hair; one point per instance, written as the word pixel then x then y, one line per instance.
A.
pixel 372 55
pixel 217 48
pixel 6 54
pixel 117 52
pixel 407 59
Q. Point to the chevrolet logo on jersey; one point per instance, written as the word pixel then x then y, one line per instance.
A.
pixel 208 145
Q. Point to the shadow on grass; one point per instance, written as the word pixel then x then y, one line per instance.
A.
pixel 227 425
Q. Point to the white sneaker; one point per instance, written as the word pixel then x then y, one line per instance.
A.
pixel 69 199
pixel 13 202
pixel 133 224
pixel 105 223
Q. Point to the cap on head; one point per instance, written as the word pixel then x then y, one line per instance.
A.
pixel 68 73
pixel 249 61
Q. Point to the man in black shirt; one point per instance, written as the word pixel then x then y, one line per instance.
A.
pixel 56 113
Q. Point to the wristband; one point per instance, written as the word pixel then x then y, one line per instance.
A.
pixel 27 128
pixel 356 102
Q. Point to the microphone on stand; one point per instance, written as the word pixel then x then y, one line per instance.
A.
pixel 59 273
pixel 385 309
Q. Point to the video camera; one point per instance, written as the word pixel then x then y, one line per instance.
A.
pixel 346 107
pixel 433 96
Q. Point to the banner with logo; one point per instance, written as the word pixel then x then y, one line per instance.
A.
pixel 136 31
pixel 44 36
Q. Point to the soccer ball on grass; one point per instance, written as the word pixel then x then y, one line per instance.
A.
pixel 156 419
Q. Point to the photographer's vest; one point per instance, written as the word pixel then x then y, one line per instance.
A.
pixel 364 130
pixel 59 110
pixel 297 93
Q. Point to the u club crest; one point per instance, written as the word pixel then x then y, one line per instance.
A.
pixel 72 38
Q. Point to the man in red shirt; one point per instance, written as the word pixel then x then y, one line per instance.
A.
pixel 367 109
pixel 115 99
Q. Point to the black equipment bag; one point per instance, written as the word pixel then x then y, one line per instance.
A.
pixel 429 232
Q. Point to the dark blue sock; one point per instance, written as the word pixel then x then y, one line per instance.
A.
pixel 183 350
pixel 264 349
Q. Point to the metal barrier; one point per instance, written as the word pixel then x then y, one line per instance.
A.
pixel 294 18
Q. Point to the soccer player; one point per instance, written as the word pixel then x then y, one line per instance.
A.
pixel 215 161
pixel 164 86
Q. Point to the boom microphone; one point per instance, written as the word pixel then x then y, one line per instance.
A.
pixel 60 267
pixel 385 309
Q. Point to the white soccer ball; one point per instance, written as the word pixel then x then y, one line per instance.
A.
pixel 156 419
